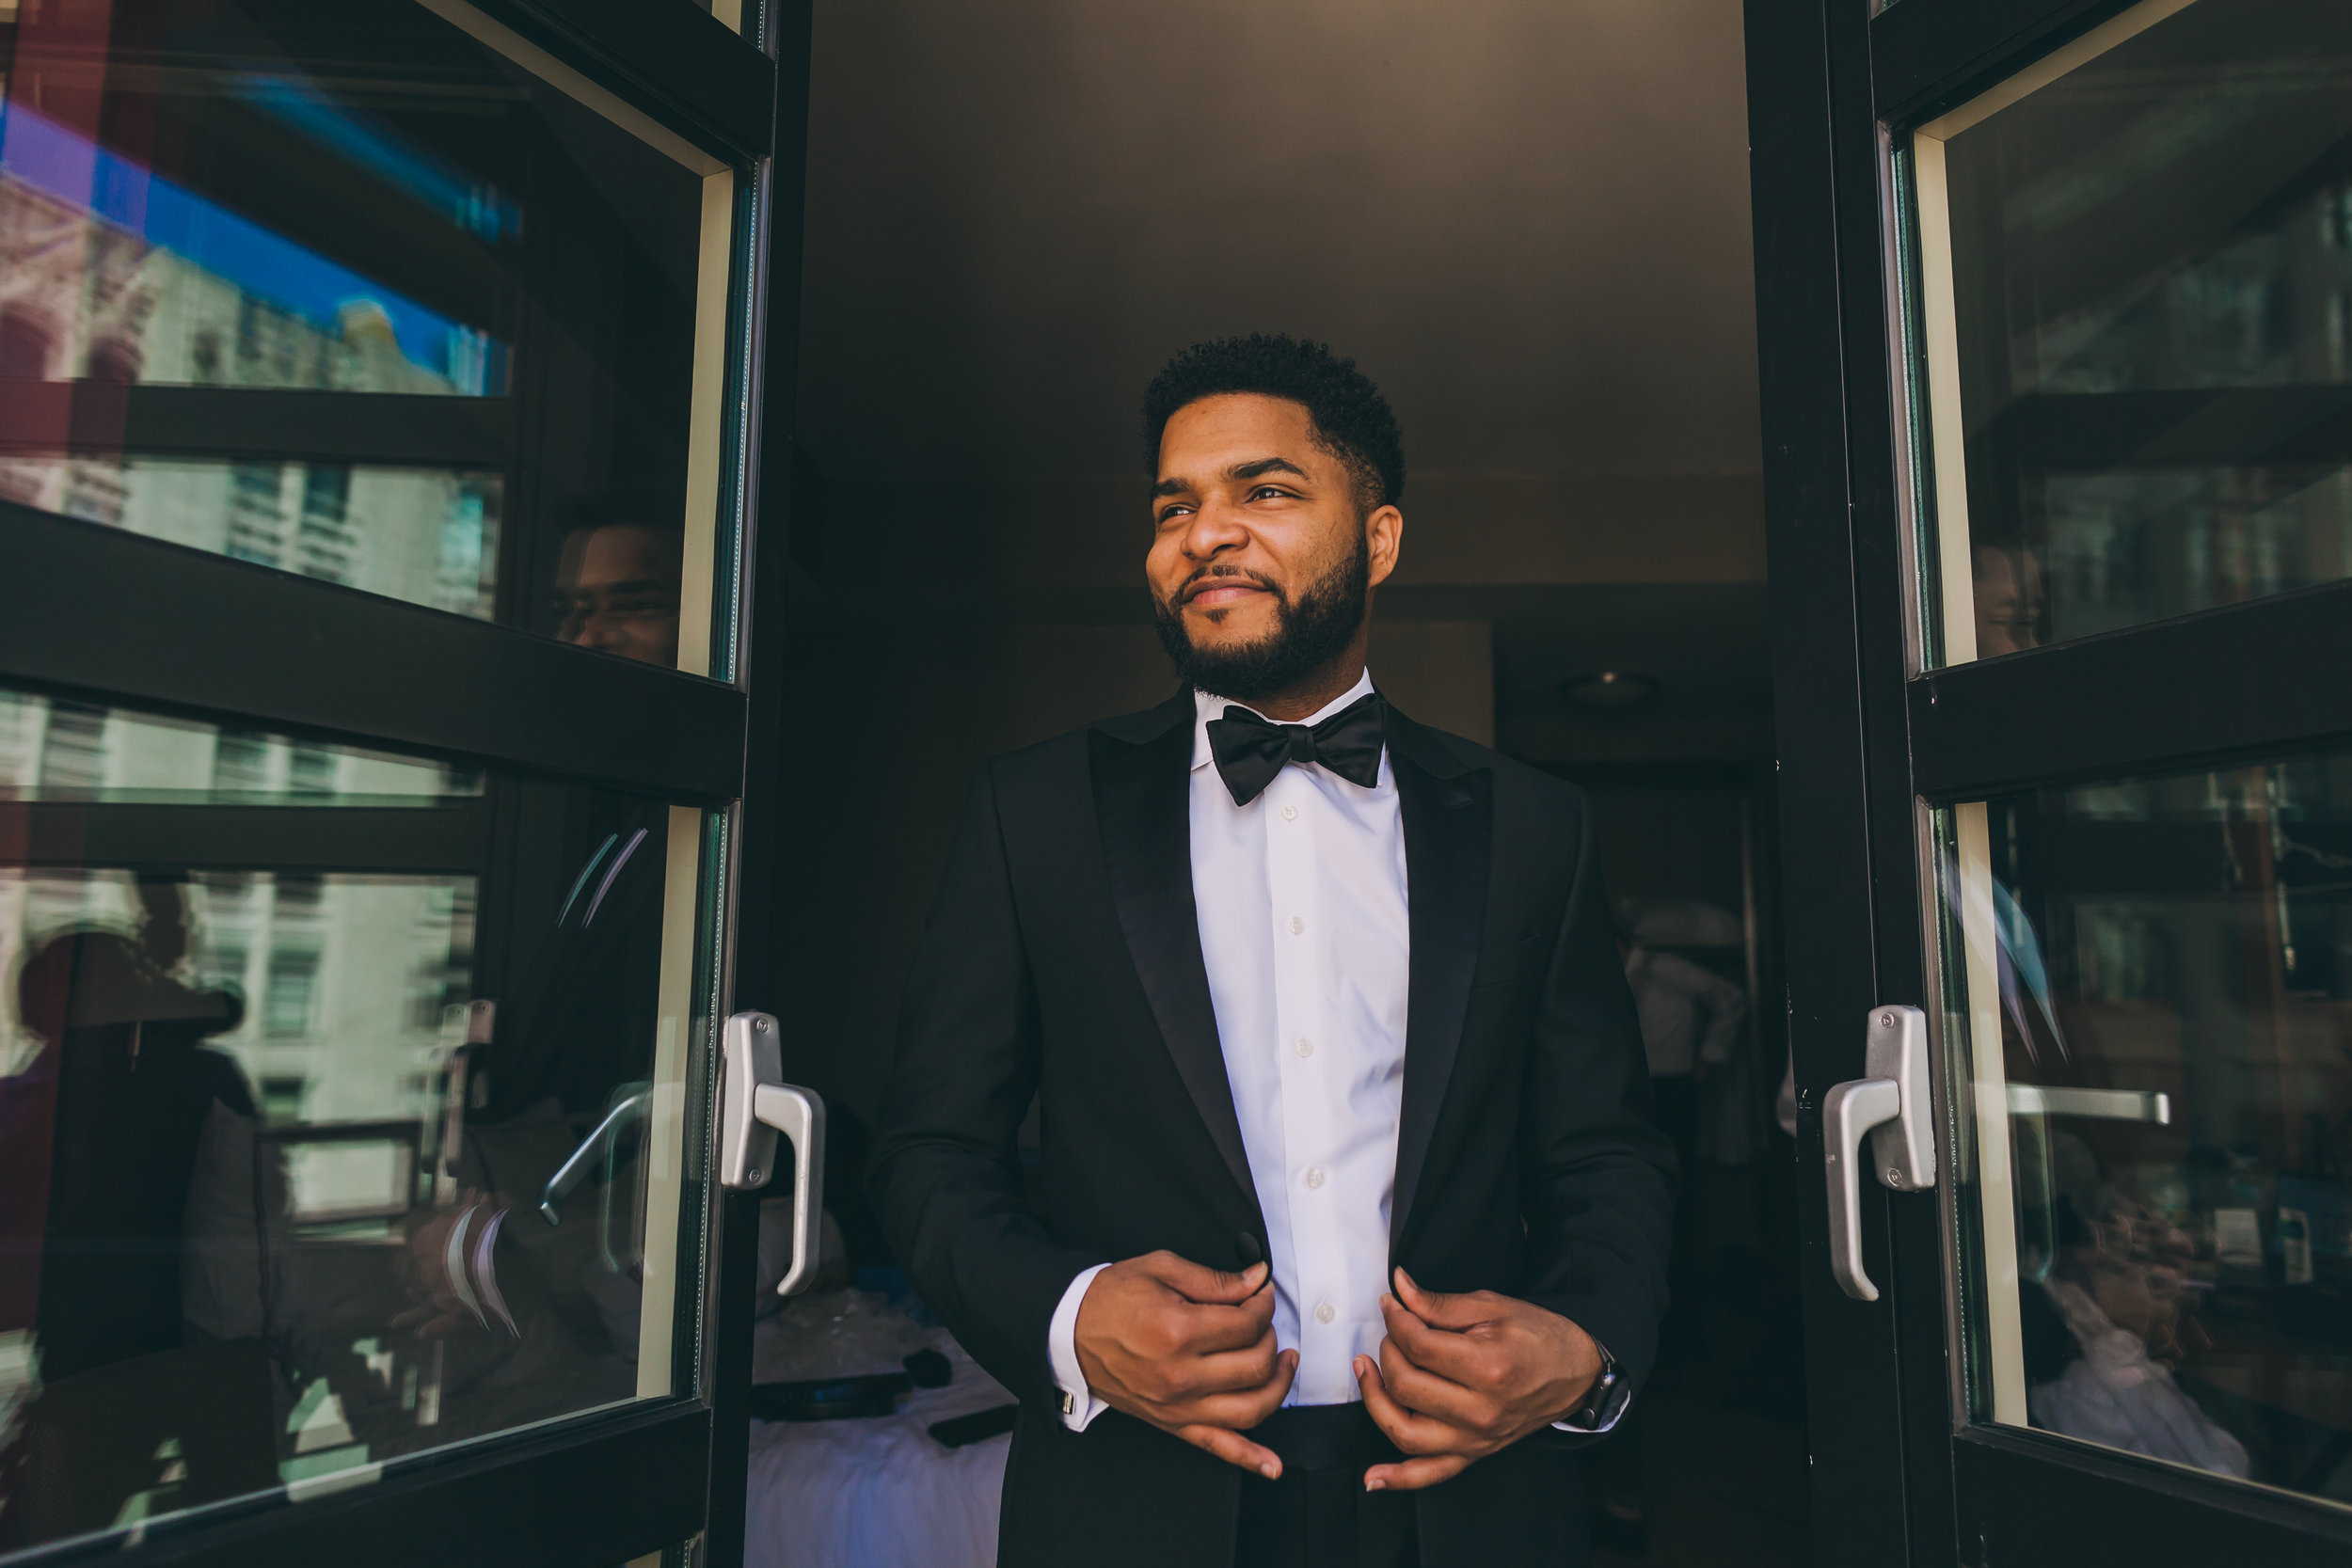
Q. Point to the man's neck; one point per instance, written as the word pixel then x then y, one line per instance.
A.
pixel 1318 690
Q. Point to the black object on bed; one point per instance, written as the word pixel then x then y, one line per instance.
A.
pixel 960 1430
pixel 833 1398
pixel 841 1399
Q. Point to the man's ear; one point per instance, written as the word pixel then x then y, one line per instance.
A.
pixel 1384 531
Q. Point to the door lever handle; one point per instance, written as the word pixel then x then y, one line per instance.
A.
pixel 755 1104
pixel 1893 1107
pixel 627 1110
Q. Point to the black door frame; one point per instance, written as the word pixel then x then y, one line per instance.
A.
pixel 96 614
pixel 1865 745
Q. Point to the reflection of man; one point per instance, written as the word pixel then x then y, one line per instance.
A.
pixel 1350 1200
pixel 2010 599
pixel 616 588
pixel 143 1313
pixel 541 1315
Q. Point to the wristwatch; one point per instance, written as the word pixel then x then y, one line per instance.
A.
pixel 1604 1402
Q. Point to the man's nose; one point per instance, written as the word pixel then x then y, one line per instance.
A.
pixel 600 628
pixel 1215 529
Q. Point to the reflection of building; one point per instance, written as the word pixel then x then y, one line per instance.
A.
pixel 2267 305
pixel 85 300
pixel 343 977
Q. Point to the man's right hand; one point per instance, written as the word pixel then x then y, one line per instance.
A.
pixel 1188 1349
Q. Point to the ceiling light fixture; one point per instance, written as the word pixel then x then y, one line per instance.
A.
pixel 1610 690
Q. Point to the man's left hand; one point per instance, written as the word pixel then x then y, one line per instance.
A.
pixel 1461 1376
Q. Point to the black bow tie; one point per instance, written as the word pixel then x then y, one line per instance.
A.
pixel 1250 751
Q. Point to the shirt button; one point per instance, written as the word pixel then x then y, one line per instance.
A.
pixel 1290 814
pixel 1297 926
pixel 1324 1312
pixel 1314 1176
pixel 1304 1048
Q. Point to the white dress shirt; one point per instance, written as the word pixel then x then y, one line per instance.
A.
pixel 1302 903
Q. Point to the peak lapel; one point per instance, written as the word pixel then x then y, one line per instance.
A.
pixel 1447 814
pixel 1142 770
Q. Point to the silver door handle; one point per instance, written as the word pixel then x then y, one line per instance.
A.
pixel 1892 1104
pixel 755 1104
pixel 630 1109
pixel 2150 1105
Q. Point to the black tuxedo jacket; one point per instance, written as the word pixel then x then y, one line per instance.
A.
pixel 1063 960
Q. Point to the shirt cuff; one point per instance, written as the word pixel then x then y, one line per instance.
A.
pixel 1604 1407
pixel 1078 1404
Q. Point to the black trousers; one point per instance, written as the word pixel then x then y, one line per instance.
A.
pixel 1318 1515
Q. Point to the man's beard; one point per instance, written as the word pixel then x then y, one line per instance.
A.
pixel 1309 633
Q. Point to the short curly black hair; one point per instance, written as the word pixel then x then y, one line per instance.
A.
pixel 1352 421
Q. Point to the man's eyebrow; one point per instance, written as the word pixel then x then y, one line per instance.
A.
pixel 1263 466
pixel 1257 469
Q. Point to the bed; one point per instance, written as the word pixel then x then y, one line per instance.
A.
pixel 879 1492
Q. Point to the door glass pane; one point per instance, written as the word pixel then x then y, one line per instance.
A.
pixel 735 13
pixel 342 1109
pixel 2133 283
pixel 345 292
pixel 2148 996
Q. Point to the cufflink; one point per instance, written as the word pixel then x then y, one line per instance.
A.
pixel 1069 1403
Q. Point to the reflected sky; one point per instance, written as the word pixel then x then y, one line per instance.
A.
pixel 38 153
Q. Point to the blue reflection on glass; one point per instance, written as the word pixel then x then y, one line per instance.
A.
pixel 474 205
pixel 64 164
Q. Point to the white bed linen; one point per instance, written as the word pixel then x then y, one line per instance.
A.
pixel 880 1491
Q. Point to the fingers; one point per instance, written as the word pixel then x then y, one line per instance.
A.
pixel 1413 1433
pixel 1440 1311
pixel 426 1323
pixel 1425 1393
pixel 1199 1283
pixel 1445 1351
pixel 1222 1420
pixel 1235 1370
pixel 1198 1330
pixel 1423 1439
pixel 1240 1409
pixel 1414 1474
pixel 1232 1447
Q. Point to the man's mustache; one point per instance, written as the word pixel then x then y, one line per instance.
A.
pixel 1206 576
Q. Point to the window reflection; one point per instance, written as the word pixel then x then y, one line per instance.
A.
pixel 295 1040
pixel 188 292
pixel 427 536
pixel 2136 279
pixel 2151 989
pixel 350 296
pixel 616 587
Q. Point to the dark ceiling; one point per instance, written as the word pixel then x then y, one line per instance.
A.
pixel 1527 219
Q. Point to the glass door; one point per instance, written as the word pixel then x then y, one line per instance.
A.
pixel 2057 296
pixel 378 391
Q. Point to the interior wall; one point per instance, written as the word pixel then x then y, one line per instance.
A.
pixel 1016 212
pixel 1669 844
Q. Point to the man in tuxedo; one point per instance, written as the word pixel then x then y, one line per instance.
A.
pixel 1353 1227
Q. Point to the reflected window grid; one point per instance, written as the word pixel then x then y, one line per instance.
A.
pixel 445 231
pixel 347 998
pixel 2137 282
pixel 2168 1282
